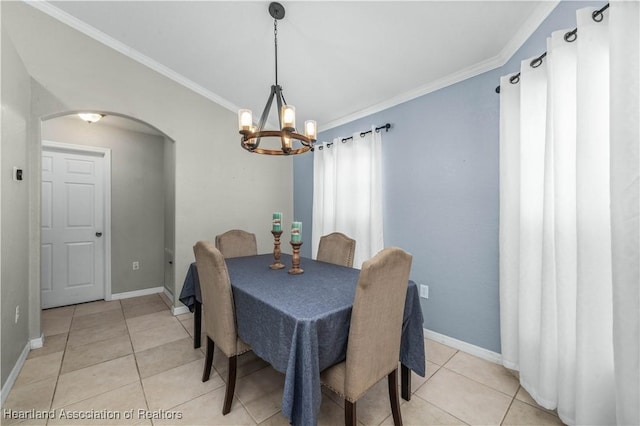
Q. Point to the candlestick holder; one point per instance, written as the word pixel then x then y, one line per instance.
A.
pixel 276 251
pixel 295 267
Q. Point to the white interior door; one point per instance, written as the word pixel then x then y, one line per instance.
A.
pixel 73 216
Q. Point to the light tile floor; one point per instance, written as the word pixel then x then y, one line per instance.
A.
pixel 132 359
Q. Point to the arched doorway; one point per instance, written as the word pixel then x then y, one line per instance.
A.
pixel 137 229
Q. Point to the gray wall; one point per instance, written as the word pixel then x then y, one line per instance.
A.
pixel 217 185
pixel 14 272
pixel 441 192
pixel 137 197
pixel 169 214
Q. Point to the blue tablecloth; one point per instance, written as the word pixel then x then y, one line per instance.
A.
pixel 300 323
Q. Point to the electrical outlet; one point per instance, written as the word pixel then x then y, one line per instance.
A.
pixel 424 291
pixel 17 313
pixel 136 265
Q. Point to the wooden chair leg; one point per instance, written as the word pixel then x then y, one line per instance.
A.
pixel 208 361
pixel 350 413
pixel 231 384
pixel 393 397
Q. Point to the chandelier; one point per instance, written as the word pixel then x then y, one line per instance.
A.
pixel 252 135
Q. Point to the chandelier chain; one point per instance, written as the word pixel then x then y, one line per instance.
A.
pixel 275 44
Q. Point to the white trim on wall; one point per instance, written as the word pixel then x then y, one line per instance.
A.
pixel 106 153
pixel 137 293
pixel 525 30
pixel 8 384
pixel 179 310
pixel 474 350
pixel 128 51
pixel 168 294
pixel 37 343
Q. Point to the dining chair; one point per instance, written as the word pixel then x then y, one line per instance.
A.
pixel 373 348
pixel 219 314
pixel 336 248
pixel 237 243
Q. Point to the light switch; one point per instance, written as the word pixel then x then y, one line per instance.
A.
pixel 17 174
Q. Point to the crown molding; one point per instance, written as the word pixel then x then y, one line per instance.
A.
pixel 440 83
pixel 90 31
pixel 525 31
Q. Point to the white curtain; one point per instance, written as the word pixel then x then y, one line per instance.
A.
pixel 347 193
pixel 625 206
pixel 569 213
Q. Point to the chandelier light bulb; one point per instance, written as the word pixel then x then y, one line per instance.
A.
pixel 311 129
pixel 288 117
pixel 286 143
pixel 252 141
pixel 245 119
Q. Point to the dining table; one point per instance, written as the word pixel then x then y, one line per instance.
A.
pixel 299 323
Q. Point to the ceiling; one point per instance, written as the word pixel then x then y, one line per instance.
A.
pixel 338 60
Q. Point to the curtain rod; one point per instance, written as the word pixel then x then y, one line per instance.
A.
pixel 569 37
pixel 385 126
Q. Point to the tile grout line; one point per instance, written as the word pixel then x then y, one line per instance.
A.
pixel 142 385
pixel 89 397
pixel 504 416
pixel 483 384
pixel 60 373
pixel 413 394
pixel 471 378
pixel 64 353
pixel 135 359
pixel 445 363
pixel 498 390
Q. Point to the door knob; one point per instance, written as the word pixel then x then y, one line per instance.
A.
pixel 98 234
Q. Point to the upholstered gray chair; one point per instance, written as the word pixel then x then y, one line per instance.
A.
pixel 237 243
pixel 373 348
pixel 336 248
pixel 219 314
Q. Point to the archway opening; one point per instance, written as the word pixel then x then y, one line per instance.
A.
pixel 137 229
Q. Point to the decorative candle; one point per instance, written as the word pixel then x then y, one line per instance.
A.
pixel 277 221
pixel 296 232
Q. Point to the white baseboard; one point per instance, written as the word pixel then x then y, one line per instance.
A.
pixel 180 310
pixel 168 294
pixel 474 350
pixel 14 374
pixel 37 343
pixel 137 293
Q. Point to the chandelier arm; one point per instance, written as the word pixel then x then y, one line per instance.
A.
pixel 265 113
pixel 267 107
pixel 279 102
